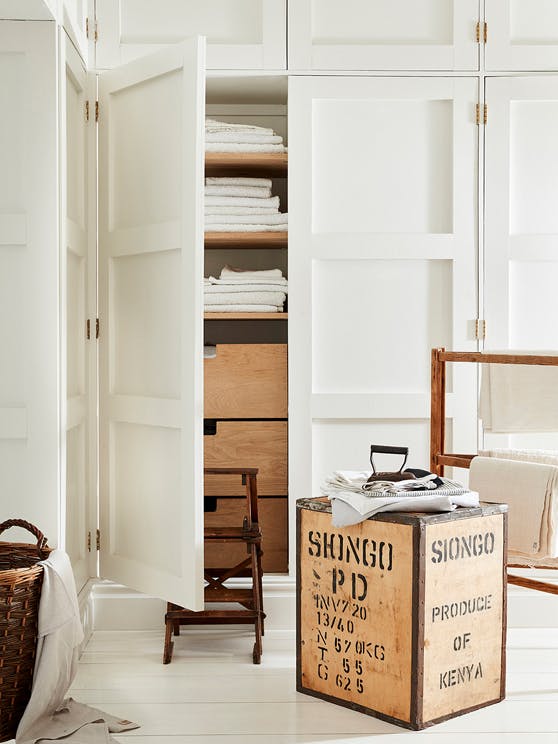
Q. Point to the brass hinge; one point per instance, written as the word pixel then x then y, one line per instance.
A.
pixel 96 110
pixel 481 33
pixel 87 111
pixel 484 113
pixel 88 26
pixel 97 327
pixel 480 329
pixel 98 540
pixel 89 541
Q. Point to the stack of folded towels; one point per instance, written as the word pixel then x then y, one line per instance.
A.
pixel 242 205
pixel 222 136
pixel 238 291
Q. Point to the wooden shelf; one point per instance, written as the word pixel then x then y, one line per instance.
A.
pixel 246 316
pixel 246 239
pixel 246 164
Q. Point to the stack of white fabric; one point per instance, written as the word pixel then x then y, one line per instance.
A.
pixel 222 136
pixel 242 205
pixel 238 291
pixel 353 501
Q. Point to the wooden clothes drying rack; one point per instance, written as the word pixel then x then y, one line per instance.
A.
pixel 439 458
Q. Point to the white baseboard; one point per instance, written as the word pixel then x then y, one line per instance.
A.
pixel 116 607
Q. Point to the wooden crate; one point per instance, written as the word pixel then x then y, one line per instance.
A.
pixel 273 514
pixel 402 616
pixel 246 381
pixel 247 444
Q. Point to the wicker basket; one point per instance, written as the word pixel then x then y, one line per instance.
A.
pixel 20 591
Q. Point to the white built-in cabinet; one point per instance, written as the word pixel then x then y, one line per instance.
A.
pixel 241 34
pixel 396 187
pixel 382 35
pixel 521 35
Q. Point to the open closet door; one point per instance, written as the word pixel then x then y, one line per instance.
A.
pixel 151 323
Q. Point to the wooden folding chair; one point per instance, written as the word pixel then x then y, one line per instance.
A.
pixel 439 458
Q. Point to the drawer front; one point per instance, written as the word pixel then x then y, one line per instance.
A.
pixel 247 444
pixel 246 381
pixel 274 525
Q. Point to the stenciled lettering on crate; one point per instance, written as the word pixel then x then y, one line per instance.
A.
pixel 402 616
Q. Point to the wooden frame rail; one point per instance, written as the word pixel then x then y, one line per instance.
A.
pixel 439 458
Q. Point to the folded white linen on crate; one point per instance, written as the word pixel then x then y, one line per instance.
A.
pixel 241 201
pixel 259 192
pixel 48 715
pixel 351 505
pixel 245 147
pixel 242 309
pixel 531 491
pixel 212 126
pixel 264 183
pixel 244 137
pixel 241 287
pixel 240 210
pixel 519 397
pixel 278 218
pixel 246 298
pixel 242 227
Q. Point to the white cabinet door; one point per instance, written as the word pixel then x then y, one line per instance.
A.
pixel 383 35
pixel 78 292
pixel 241 34
pixel 521 222
pixel 29 315
pixel 522 35
pixel 382 265
pixel 151 160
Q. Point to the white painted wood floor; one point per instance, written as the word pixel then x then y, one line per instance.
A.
pixel 212 694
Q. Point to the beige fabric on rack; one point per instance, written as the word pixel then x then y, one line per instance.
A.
pixel 531 491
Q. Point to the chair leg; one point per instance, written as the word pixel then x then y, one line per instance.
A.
pixel 260 574
pixel 258 607
pixel 169 645
pixel 176 628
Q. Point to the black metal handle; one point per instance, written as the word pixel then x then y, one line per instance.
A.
pixel 382 449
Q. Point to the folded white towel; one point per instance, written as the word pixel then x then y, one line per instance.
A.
pixel 238 181
pixel 260 192
pixel 232 272
pixel 519 397
pixel 240 210
pixel 242 309
pixel 212 125
pixel 531 491
pixel 236 147
pixel 241 201
pixel 246 298
pixel 243 137
pixel 239 287
pixel 278 218
pixel 239 227
pixel 277 282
